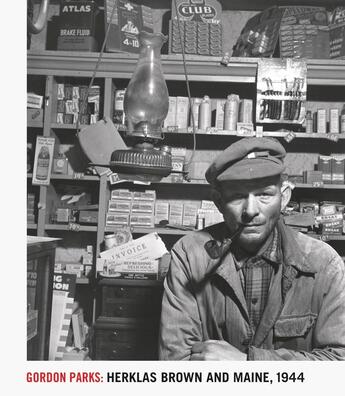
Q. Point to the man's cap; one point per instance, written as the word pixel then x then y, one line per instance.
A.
pixel 248 158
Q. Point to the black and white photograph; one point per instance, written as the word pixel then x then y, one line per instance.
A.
pixel 184 195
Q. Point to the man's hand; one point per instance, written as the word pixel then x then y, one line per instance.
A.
pixel 216 350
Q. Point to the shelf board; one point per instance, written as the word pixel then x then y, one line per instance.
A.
pixel 129 282
pixel 277 134
pixel 33 124
pixel 83 281
pixel 324 187
pixel 72 177
pixel 148 230
pixel 199 68
pixel 65 227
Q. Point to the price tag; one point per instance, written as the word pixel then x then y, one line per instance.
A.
pixel 317 184
pixel 74 227
pixel 245 133
pixel 334 137
pixel 289 137
pixel 172 129
pixel 78 175
pixel 114 178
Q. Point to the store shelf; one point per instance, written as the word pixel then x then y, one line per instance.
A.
pixel 76 177
pixel 147 230
pixel 199 68
pixel 323 187
pixel 65 227
pixel 33 124
pixel 129 282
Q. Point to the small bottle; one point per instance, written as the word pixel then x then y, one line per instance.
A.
pixel 309 122
pixel 342 120
pixel 205 113
pixel 231 107
pixel 43 160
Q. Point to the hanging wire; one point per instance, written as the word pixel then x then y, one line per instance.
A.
pixel 98 61
pixel 187 84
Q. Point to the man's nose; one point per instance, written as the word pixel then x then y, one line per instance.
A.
pixel 250 209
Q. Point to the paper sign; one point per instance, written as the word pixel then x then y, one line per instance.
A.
pixel 43 161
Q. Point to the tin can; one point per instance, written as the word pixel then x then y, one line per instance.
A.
pixel 231 112
pixel 119 114
pixel 109 241
pixel 195 112
pixel 205 113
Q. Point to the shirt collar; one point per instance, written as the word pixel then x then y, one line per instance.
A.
pixel 270 251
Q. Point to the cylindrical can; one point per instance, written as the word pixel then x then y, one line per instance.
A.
pixel 195 112
pixel 118 106
pixel 231 112
pixel 205 113
pixel 109 241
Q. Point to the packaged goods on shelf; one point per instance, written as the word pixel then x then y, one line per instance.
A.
pixel 246 111
pixel 334 120
pixel 142 220
pixel 337 33
pixel 198 28
pixel 119 113
pixel 117 219
pixel 194 113
pixel 88 216
pixel 128 20
pixel 309 206
pixel 231 110
pixel 182 112
pixel 321 121
pixel 325 166
pixel 220 113
pixel 147 195
pixel 161 212
pixel 121 193
pixel 119 205
pixel 312 177
pixel 170 120
pixel 77 26
pixel 176 213
pixel 338 169
pixel 190 212
pixel 143 207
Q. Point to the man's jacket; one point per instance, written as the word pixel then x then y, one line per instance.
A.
pixel 203 299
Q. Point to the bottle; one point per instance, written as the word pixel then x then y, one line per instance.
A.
pixel 195 112
pixel 231 107
pixel 205 113
pixel 309 122
pixel 342 120
pixel 43 160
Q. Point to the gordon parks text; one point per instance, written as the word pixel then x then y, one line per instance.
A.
pixel 166 376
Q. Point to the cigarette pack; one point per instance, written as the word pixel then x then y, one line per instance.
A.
pixel 325 166
pixel 119 205
pixel 170 119
pixel 147 195
pixel 338 169
pixel 143 207
pixel 182 111
pixel 141 220
pixel 175 213
pixel 121 194
pixel 161 212
pixel 117 219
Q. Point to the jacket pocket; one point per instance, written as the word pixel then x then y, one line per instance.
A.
pixel 294 325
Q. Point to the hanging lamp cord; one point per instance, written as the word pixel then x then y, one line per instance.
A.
pixel 187 85
pixel 98 61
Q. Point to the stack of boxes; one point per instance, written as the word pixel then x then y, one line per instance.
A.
pixel 77 104
pixel 30 207
pixel 331 170
pixel 208 214
pixel 82 269
pixel 131 208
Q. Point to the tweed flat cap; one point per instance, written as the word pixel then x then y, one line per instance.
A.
pixel 248 158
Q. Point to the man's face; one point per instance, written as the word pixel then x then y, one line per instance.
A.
pixel 254 205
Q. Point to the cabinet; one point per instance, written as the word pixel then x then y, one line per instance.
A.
pixel 120 309
pixel 40 270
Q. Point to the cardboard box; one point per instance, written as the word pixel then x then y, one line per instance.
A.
pixel 182 111
pixel 325 166
pixel 119 205
pixel 170 120
pixel 334 120
pixel 161 212
pixel 338 169
pixel 77 26
pixel 121 194
pixel 128 20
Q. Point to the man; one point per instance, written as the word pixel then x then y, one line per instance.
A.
pixel 251 288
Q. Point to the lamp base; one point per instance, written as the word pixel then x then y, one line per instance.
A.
pixel 142 159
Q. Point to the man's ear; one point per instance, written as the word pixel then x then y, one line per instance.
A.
pixel 217 199
pixel 286 194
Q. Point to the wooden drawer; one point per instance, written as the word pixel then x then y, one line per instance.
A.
pixel 130 308
pixel 125 343
pixel 129 292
